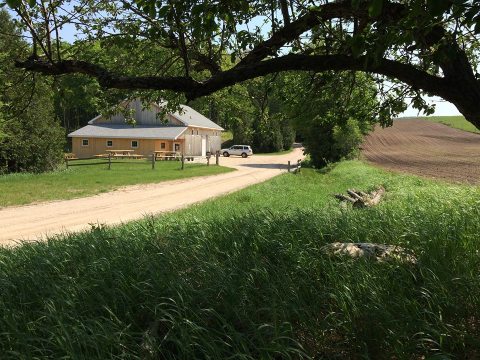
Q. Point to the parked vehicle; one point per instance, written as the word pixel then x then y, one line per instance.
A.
pixel 240 150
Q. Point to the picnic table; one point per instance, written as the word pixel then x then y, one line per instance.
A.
pixel 122 153
pixel 166 155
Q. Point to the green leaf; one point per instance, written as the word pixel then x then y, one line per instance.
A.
pixel 164 10
pixel 375 8
pixel 438 7
pixel 357 44
pixel 13 3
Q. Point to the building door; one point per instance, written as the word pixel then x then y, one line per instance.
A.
pixel 204 146
pixel 177 147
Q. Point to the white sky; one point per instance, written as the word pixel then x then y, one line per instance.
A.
pixel 442 108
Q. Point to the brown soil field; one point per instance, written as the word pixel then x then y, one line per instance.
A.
pixel 427 149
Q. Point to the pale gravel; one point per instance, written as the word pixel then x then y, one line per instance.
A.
pixel 35 222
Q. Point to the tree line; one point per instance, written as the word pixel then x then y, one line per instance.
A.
pixel 328 112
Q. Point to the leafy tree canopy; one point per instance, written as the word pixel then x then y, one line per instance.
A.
pixel 30 137
pixel 426 45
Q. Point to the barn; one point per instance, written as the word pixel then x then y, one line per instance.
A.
pixel 185 131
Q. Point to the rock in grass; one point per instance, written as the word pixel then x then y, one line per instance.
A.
pixel 376 252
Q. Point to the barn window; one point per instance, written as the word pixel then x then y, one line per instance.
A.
pixel 197 132
pixel 85 142
pixel 192 132
pixel 109 143
pixel 134 144
pixel 162 146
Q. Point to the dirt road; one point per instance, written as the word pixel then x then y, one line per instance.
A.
pixel 34 222
pixel 425 148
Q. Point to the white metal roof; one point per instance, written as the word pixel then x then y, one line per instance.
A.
pixel 187 116
pixel 191 117
pixel 116 131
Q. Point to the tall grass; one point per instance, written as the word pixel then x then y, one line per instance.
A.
pixel 242 277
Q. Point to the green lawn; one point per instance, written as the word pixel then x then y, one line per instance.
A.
pixel 243 277
pixel 457 122
pixel 78 181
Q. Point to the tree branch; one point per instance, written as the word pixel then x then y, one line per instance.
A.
pixel 291 31
pixel 193 89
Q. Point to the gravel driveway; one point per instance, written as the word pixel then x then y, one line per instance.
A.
pixel 34 222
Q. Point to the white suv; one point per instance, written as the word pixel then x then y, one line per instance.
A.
pixel 241 150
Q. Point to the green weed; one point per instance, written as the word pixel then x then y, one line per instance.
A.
pixel 242 277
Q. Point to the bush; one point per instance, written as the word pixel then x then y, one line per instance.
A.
pixel 30 137
pixel 33 141
pixel 331 113
pixel 347 138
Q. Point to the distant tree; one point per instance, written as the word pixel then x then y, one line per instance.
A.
pixel 332 113
pixel 30 137
pixel 253 112
pixel 77 99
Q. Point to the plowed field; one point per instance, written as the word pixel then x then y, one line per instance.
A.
pixel 427 149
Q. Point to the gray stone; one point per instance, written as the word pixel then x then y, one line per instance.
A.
pixel 376 252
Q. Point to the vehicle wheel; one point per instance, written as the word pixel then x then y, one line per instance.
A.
pixel 244 155
pixel 226 154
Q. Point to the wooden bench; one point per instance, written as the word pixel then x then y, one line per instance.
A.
pixel 167 155
pixel 136 156
pixel 70 156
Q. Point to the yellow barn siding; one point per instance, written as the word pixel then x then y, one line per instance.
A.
pixel 97 146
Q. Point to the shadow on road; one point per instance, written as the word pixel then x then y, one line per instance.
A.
pixel 267 166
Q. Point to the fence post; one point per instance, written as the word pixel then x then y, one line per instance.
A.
pixel 298 165
pixel 153 160
pixel 183 161
pixel 217 157
pixel 288 165
pixel 109 161
pixel 66 161
pixel 208 160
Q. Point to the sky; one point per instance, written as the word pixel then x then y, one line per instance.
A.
pixel 442 108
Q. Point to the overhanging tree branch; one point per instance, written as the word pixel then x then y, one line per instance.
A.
pixel 193 89
pixel 376 31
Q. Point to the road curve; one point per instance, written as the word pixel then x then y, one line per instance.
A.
pixel 36 222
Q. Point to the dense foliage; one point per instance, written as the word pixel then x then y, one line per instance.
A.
pixel 31 139
pixel 332 113
pixel 243 277
pixel 255 112
pixel 422 46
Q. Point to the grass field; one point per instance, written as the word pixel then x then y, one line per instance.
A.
pixel 78 181
pixel 457 122
pixel 243 277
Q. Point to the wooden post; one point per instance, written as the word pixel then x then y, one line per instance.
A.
pixel 299 165
pixel 183 161
pixel 153 160
pixel 66 161
pixel 217 157
pixel 288 165
pixel 208 160
pixel 109 161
